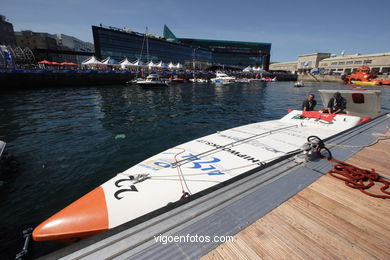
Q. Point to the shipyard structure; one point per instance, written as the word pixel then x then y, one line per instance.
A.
pixel 194 53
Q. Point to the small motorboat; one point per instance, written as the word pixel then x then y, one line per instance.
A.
pixel 299 84
pixel 176 79
pixel 269 79
pixel 152 81
pixel 223 78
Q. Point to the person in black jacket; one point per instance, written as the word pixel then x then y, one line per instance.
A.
pixel 337 104
pixel 309 103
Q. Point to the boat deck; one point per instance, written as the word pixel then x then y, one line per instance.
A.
pixel 326 220
pixel 285 210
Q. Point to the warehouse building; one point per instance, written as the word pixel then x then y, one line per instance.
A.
pixel 343 64
pixel 379 62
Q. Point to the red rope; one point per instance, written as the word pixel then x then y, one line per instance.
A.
pixel 360 179
pixel 353 176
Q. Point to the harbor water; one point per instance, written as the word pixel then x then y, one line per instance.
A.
pixel 65 142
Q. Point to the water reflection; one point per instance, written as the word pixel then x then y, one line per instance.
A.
pixel 64 138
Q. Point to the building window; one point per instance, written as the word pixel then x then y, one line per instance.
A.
pixel 333 63
pixel 342 63
pixel 324 64
pixel 385 69
pixel 349 62
pixel 367 61
pixel 358 62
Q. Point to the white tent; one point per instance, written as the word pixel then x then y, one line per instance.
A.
pixel 139 63
pixel 161 65
pixel 110 61
pixel 92 61
pixel 179 65
pixel 247 69
pixel 151 64
pixel 171 65
pixel 126 63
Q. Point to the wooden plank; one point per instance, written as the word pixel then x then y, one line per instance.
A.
pixel 265 244
pixel 353 235
pixel 374 157
pixel 292 239
pixel 333 243
pixel 337 190
pixel 375 231
pixel 326 220
pixel 237 250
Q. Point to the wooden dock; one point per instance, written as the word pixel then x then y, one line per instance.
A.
pixel 326 220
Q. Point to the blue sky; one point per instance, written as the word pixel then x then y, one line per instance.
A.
pixel 293 27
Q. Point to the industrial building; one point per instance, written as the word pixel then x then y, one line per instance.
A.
pixel 121 43
pixel 343 64
pixel 379 62
pixel 55 47
pixel 289 66
pixel 7 36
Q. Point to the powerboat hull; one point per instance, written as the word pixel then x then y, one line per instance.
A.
pixel 184 170
pixel 194 167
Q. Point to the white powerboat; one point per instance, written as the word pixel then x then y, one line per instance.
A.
pixel 299 84
pixel 195 166
pixel 223 78
pixel 152 81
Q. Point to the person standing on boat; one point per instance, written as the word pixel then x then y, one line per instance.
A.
pixel 309 103
pixel 337 104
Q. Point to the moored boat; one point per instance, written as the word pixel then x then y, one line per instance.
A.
pixel 299 84
pixel 195 166
pixel 177 79
pixel 365 77
pixel 223 78
pixel 152 81
pixel 365 83
pixel 269 79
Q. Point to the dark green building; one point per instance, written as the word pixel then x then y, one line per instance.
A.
pixel 121 43
pixel 229 52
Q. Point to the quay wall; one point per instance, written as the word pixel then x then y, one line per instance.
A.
pixel 320 78
pixel 33 80
pixel 39 80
